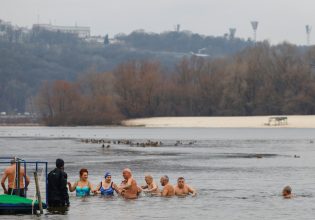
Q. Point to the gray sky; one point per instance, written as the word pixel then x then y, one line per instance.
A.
pixel 280 20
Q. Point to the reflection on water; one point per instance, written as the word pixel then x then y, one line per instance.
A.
pixel 239 173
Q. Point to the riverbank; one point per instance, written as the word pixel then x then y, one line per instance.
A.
pixel 293 121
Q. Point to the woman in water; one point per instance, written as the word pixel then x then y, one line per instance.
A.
pixel 106 186
pixel 83 187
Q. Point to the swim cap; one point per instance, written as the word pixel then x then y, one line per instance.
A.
pixel 107 174
pixel 127 170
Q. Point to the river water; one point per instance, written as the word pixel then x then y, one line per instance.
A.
pixel 222 164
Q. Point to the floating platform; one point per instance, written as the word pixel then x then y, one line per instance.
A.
pixel 11 204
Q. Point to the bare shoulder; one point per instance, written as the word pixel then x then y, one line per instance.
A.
pixel 171 187
pixel 133 181
pixel 8 170
pixel 166 189
pixel 187 186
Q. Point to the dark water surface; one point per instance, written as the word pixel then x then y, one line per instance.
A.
pixel 239 173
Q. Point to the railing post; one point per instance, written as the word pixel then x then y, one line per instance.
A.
pixel 18 170
pixel 25 191
pixel 46 175
pixel 39 198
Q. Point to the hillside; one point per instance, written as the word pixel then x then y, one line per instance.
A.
pixel 30 56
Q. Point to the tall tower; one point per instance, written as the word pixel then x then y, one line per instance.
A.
pixel 254 26
pixel 232 33
pixel 177 27
pixel 308 29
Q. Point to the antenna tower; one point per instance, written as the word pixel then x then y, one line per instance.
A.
pixel 254 26
pixel 232 32
pixel 308 29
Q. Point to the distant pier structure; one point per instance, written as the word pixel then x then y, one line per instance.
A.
pixel 277 121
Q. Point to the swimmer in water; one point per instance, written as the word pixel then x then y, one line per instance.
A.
pixel 168 190
pixel 82 187
pixel 128 188
pixel 287 192
pixel 183 189
pixel 151 186
pixel 106 186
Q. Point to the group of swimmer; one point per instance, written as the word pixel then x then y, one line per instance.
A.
pixel 58 186
pixel 128 188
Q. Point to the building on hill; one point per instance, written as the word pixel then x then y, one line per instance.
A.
pixel 95 39
pixel 81 32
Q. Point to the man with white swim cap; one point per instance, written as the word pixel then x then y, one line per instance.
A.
pixel 128 189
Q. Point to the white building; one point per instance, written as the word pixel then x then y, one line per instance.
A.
pixel 82 32
pixel 95 39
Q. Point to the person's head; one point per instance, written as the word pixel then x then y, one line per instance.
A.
pixel 127 173
pixel 181 182
pixel 108 177
pixel 148 179
pixel 164 180
pixel 84 173
pixel 60 163
pixel 12 162
pixel 286 191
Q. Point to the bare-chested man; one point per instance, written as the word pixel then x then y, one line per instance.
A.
pixel 151 186
pixel 183 189
pixel 9 173
pixel 128 189
pixel 168 189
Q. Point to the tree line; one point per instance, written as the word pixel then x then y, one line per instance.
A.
pixel 261 80
pixel 30 56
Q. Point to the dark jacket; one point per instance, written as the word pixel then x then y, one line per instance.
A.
pixel 57 188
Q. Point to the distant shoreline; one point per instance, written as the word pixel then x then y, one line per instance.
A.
pixel 20 125
pixel 293 121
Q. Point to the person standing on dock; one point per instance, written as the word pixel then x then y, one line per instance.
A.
pixel 57 186
pixel 10 174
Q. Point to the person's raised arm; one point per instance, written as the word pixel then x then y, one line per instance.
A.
pixel 144 186
pixel 164 192
pixel 92 189
pixel 97 188
pixel 139 189
pixel 27 181
pixel 115 187
pixel 192 191
pixel 72 187
pixel 154 187
pixel 128 184
pixel 3 179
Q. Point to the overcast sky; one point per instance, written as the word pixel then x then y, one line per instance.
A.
pixel 279 20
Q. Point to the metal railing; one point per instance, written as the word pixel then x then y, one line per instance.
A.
pixel 18 161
